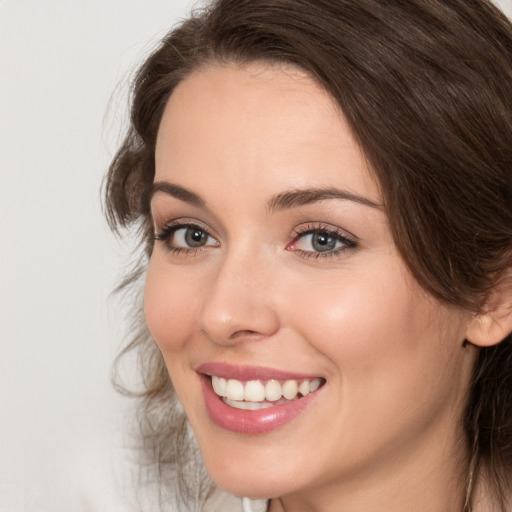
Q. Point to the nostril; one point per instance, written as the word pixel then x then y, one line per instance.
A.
pixel 245 333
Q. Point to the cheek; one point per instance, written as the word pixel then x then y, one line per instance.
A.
pixel 349 313
pixel 169 305
pixel 393 359
pixel 383 336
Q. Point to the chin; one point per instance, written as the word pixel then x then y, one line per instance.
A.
pixel 261 481
pixel 248 487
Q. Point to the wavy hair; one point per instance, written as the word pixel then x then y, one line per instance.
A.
pixel 426 87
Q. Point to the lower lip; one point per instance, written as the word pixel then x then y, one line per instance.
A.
pixel 251 422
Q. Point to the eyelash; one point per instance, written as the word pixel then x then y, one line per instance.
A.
pixel 167 233
pixel 348 241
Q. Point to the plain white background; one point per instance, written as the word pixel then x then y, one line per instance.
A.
pixel 62 441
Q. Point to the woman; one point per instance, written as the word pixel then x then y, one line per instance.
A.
pixel 324 191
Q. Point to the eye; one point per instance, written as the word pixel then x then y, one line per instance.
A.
pixel 180 237
pixel 191 236
pixel 321 241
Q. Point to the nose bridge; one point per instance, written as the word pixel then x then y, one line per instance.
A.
pixel 238 300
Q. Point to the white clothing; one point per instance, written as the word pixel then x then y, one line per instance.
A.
pixel 221 501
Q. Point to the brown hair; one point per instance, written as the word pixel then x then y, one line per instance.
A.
pixel 426 87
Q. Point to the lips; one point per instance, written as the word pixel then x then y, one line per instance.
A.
pixel 255 400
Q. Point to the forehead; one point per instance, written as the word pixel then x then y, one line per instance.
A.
pixel 259 120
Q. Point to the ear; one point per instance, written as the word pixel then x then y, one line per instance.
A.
pixel 494 322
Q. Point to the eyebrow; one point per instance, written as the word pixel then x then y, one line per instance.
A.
pixel 282 201
pixel 301 197
pixel 176 191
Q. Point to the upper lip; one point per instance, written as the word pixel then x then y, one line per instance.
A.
pixel 247 372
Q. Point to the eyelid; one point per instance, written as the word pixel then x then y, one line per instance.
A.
pixel 167 230
pixel 349 240
pixel 183 222
pixel 310 227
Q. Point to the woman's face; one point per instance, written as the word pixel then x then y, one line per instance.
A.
pixel 274 263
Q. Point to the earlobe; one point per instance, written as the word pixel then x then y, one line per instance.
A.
pixel 485 330
pixel 494 323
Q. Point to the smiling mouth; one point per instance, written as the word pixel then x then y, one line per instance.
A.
pixel 260 394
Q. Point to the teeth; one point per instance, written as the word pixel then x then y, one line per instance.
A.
pixel 290 389
pixel 234 390
pixel 251 406
pixel 257 393
pixel 219 385
pixel 314 385
pixel 254 391
pixel 305 388
pixel 273 391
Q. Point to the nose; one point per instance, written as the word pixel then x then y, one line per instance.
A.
pixel 238 303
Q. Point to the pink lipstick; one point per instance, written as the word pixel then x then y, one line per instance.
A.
pixel 265 419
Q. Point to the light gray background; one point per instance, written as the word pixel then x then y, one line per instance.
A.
pixel 61 424
pixel 62 446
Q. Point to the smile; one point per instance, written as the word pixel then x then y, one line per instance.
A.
pixel 255 400
pixel 256 394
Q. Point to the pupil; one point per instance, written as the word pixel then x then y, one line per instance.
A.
pixel 195 237
pixel 323 242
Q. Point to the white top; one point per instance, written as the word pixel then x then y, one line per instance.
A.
pixel 254 505
pixel 221 501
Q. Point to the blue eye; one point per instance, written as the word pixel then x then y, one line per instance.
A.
pixel 317 242
pixel 185 237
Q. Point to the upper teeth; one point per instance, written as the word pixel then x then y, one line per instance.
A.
pixel 258 391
